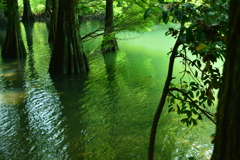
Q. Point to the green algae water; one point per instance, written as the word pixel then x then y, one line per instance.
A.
pixel 103 115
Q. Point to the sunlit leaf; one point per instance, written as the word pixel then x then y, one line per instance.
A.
pixel 200 46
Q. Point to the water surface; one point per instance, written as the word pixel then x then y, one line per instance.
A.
pixel 103 115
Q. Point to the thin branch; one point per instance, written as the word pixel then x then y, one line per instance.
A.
pixel 206 113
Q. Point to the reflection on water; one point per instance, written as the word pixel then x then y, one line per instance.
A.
pixel 103 115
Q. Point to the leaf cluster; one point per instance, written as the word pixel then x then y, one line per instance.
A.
pixel 203 44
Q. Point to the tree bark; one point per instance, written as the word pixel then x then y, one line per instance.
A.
pixel 27 13
pixel 227 142
pixel 109 43
pixel 3 20
pixel 13 47
pixel 53 21
pixel 48 7
pixel 68 56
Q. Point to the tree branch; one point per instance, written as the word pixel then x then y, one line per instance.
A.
pixel 206 113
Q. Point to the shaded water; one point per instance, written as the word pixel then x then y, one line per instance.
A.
pixel 103 115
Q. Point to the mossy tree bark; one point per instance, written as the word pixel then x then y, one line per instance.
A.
pixel 68 56
pixel 27 13
pixel 109 43
pixel 227 142
pixel 13 47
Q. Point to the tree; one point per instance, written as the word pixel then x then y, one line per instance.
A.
pixel 13 46
pixel 27 13
pixel 227 142
pixel 48 7
pixel 109 40
pixel 53 21
pixel 3 21
pixel 199 44
pixel 68 56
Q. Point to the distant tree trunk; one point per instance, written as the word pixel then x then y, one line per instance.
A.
pixel 27 13
pixel 3 27
pixel 3 20
pixel 13 46
pixel 68 56
pixel 53 21
pixel 109 43
pixel 227 142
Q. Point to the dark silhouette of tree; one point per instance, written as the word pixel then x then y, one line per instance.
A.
pixel 27 13
pixel 68 56
pixel 3 20
pixel 227 142
pixel 48 7
pixel 13 46
pixel 53 21
pixel 109 43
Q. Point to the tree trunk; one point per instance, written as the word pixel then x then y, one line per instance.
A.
pixel 109 43
pixel 227 142
pixel 48 7
pixel 27 13
pixel 68 56
pixel 53 22
pixel 3 20
pixel 13 46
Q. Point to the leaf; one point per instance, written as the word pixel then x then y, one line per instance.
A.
pixel 197 94
pixel 200 46
pixel 189 113
pixel 194 112
pixel 160 1
pixel 209 102
pixel 199 117
pixel 178 110
pixel 190 36
pixel 196 73
pixel 194 122
pixel 200 34
pixel 165 17
pixel 170 109
pixel 147 13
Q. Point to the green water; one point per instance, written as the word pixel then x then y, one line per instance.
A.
pixel 103 115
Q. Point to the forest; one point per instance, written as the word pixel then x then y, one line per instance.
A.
pixel 119 79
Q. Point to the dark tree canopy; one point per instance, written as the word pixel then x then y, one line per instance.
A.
pixel 227 142
pixel 13 46
pixel 68 56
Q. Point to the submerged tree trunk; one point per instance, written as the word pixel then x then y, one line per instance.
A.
pixel 68 56
pixel 227 142
pixel 53 21
pixel 109 43
pixel 13 46
pixel 27 13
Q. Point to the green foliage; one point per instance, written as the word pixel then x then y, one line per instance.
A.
pixel 3 4
pixel 37 6
pixel 203 44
